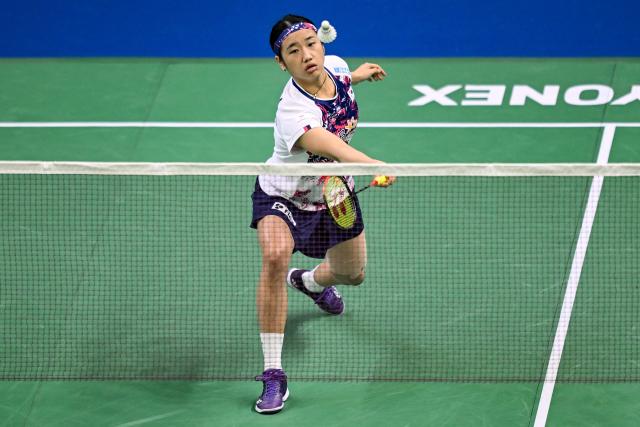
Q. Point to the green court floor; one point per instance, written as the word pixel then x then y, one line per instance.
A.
pixel 246 91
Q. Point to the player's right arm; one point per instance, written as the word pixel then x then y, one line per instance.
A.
pixel 323 143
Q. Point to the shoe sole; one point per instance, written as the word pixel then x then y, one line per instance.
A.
pixel 273 410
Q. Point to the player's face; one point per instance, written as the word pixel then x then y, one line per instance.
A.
pixel 302 55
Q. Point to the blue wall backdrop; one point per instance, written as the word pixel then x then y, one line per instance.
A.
pixel 388 28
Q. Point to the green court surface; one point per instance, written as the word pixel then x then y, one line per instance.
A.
pixel 508 326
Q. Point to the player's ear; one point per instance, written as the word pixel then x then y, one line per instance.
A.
pixel 280 63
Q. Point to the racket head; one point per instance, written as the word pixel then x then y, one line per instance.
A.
pixel 340 201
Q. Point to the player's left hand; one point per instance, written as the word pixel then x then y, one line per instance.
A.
pixel 368 71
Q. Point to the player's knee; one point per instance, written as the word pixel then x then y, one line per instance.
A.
pixel 358 279
pixel 276 260
pixel 352 279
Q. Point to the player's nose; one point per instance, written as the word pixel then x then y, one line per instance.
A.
pixel 307 55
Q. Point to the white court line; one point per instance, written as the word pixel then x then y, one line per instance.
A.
pixel 150 419
pixel 573 281
pixel 241 125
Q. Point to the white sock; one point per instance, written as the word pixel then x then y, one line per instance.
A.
pixel 272 350
pixel 310 283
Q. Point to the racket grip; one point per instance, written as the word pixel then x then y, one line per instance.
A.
pixel 379 180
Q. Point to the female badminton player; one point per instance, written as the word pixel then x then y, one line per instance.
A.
pixel 315 120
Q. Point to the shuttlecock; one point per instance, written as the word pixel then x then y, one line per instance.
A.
pixel 327 33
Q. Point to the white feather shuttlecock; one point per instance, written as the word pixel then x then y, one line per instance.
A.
pixel 327 33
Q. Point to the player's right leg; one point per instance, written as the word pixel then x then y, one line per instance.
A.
pixel 276 244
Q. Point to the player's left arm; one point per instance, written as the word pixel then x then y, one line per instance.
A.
pixel 367 71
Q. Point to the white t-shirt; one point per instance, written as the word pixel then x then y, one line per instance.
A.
pixel 298 112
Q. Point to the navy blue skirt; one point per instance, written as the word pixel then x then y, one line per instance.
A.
pixel 314 232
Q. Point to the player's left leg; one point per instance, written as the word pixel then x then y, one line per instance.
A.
pixel 344 264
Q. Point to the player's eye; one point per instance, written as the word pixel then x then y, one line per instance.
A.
pixel 292 51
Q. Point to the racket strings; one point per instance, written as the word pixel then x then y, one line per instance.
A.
pixel 339 201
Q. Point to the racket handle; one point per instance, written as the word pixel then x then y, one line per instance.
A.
pixel 373 183
pixel 380 180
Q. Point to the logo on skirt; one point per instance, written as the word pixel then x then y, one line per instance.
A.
pixel 282 208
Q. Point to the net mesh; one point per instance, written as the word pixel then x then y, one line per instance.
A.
pixel 109 276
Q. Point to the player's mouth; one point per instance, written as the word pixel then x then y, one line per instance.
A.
pixel 311 68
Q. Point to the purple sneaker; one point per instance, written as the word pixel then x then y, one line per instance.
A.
pixel 328 300
pixel 274 391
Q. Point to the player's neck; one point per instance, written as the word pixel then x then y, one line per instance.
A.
pixel 323 88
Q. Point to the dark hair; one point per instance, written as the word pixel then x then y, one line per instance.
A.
pixel 282 24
